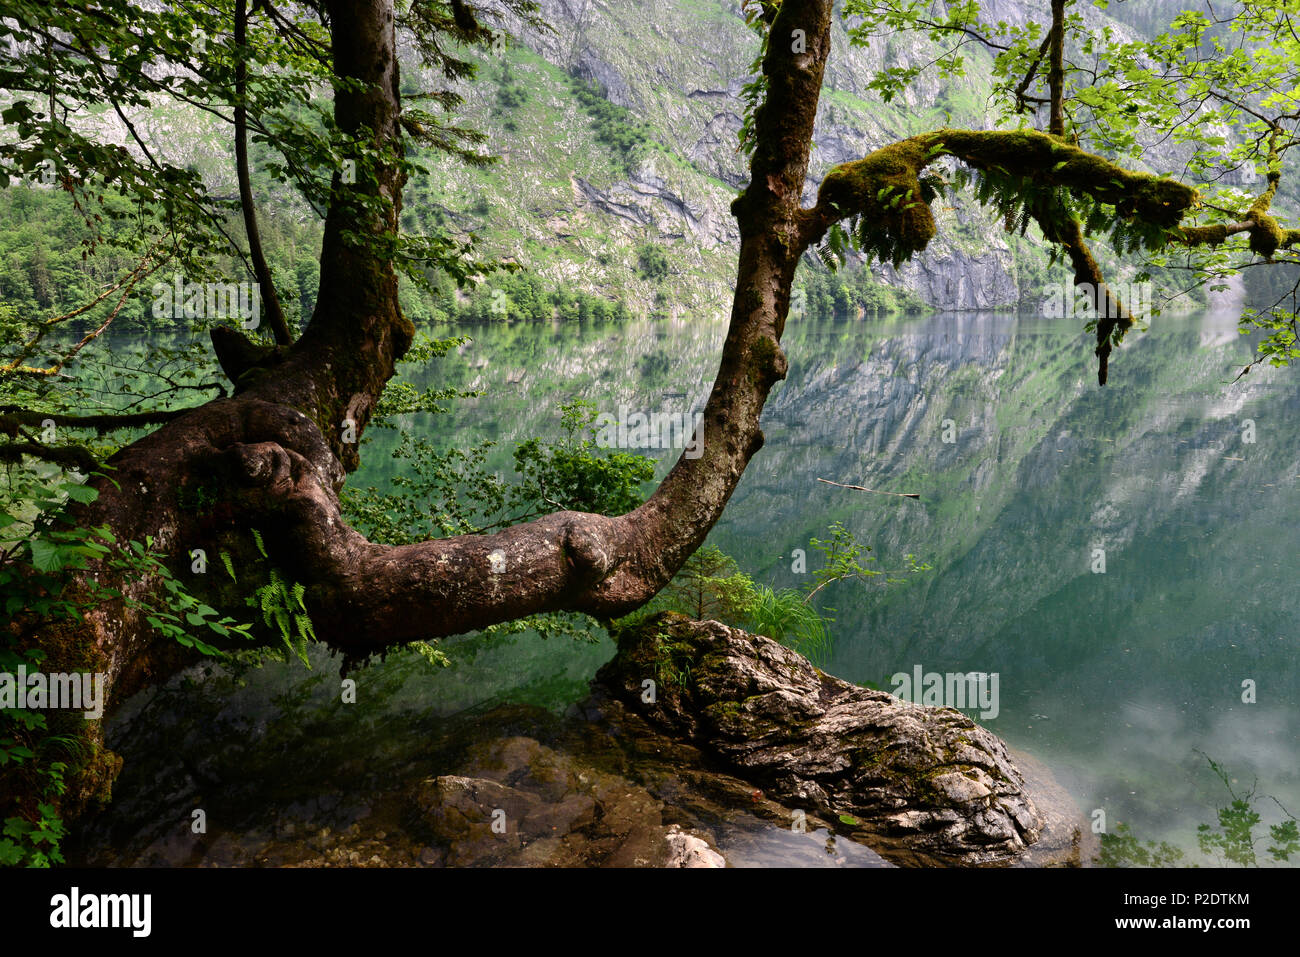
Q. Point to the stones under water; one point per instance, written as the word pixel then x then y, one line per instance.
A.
pixel 757 759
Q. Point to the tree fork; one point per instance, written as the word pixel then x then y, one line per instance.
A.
pixel 280 438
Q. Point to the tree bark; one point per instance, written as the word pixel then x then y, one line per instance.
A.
pixel 280 447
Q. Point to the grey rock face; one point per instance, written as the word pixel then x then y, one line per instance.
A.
pixel 924 785
pixel 646 200
pixel 606 77
pixel 684 76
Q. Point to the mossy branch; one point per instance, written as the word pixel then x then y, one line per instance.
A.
pixel 67 456
pixel 1038 159
pixel 1266 235
pixel 1026 173
pixel 1113 317
pixel 12 417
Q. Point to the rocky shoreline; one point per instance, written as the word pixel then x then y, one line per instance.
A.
pixel 744 755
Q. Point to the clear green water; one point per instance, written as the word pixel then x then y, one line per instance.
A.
pixel 1123 682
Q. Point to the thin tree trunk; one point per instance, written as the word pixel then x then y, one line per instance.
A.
pixel 270 299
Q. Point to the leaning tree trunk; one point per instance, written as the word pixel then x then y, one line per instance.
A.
pixel 274 455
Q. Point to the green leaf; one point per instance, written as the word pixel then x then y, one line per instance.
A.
pixel 79 493
pixel 46 556
pixel 10 853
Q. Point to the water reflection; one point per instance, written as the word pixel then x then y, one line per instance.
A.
pixel 1182 478
pixel 1120 557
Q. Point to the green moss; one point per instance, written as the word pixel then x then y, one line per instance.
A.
pixel 883 189
pixel 768 363
pixel 725 709
pixel 1047 160
pixel 1266 236
pixel 1209 235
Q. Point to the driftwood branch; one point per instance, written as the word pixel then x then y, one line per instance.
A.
pixel 862 488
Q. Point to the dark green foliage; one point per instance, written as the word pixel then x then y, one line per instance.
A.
pixel 1231 840
pixel 282 606
pixel 615 127
pixel 711 586
pixel 849 292
pixel 41 552
pixel 1123 849
pixel 652 262
pixel 45 272
pixel 573 474
pixel 524 296
pixel 440 493
pixel 511 95
pixel 402 398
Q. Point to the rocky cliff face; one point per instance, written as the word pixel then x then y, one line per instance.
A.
pixel 563 206
pixel 680 66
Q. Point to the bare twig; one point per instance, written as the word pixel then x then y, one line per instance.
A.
pixel 861 488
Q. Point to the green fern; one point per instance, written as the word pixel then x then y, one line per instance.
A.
pixel 230 566
pixel 283 607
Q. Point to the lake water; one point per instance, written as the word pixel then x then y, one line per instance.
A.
pixel 1122 558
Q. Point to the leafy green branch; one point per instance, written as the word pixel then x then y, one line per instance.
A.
pixel 41 550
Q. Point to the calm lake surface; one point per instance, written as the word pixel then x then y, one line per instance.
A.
pixel 1125 682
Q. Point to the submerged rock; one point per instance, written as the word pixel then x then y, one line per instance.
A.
pixel 507 786
pixel 920 785
pixel 748 757
pixel 686 850
pixel 535 806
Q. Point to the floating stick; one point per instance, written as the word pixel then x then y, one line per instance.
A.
pixel 861 488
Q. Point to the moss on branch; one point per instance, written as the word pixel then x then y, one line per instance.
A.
pixel 1049 162
pixel 867 188
pixel 1023 173
pixel 884 189
pixel 1211 235
pixel 1266 234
